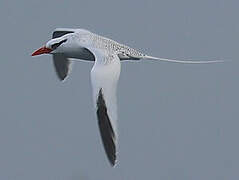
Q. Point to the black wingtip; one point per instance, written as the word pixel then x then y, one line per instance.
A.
pixel 113 163
pixel 61 78
pixel 57 34
pixel 106 130
pixel 112 160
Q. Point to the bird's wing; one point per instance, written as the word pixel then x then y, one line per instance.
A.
pixel 58 32
pixel 62 65
pixel 104 78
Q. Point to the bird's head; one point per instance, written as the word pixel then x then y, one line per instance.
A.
pixel 67 44
pixel 54 46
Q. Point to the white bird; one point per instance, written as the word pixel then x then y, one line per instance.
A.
pixel 107 54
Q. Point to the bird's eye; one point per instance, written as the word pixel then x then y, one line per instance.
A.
pixel 54 46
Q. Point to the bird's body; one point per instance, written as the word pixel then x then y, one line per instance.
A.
pixel 107 54
pixel 92 40
pixel 123 51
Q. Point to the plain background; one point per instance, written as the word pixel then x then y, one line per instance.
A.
pixel 175 121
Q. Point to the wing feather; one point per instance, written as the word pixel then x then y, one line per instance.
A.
pixel 104 77
pixel 61 32
pixel 62 65
pixel 106 129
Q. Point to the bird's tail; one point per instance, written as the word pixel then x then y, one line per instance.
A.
pixel 183 61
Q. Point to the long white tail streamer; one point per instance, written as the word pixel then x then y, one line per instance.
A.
pixel 184 61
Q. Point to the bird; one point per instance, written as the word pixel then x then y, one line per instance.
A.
pixel 68 45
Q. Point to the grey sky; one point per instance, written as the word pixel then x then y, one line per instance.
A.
pixel 175 121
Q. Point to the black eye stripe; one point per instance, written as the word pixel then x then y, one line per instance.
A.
pixel 54 46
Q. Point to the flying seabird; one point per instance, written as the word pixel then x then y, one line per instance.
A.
pixel 107 55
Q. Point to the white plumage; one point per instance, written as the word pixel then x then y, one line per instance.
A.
pixel 107 54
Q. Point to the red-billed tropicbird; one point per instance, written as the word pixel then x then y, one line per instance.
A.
pixel 107 54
